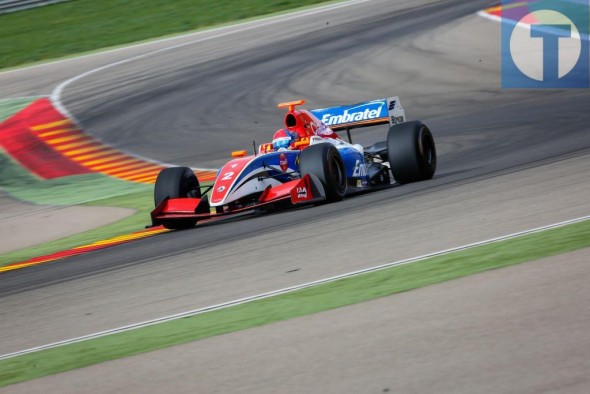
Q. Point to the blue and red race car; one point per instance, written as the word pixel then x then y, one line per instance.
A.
pixel 305 163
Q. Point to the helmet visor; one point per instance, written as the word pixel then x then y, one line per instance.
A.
pixel 282 142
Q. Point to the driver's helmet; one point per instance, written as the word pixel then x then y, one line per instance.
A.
pixel 283 138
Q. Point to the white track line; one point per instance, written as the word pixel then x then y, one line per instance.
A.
pixel 223 31
pixel 491 17
pixel 56 94
pixel 521 25
pixel 286 290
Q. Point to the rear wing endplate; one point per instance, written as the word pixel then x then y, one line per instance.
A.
pixel 368 113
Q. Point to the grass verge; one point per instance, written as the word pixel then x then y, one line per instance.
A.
pixel 84 25
pixel 141 201
pixel 9 107
pixel 88 190
pixel 70 190
pixel 303 302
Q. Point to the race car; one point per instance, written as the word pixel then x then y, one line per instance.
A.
pixel 305 163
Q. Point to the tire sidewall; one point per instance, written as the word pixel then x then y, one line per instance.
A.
pixel 325 162
pixel 176 182
pixel 411 152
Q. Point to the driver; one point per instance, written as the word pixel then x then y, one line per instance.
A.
pixel 283 139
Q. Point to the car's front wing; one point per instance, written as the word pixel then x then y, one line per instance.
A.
pixel 305 190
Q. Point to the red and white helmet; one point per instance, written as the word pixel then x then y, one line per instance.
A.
pixel 283 138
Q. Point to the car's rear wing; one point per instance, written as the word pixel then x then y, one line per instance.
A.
pixel 368 113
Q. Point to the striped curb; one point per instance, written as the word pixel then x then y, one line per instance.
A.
pixel 118 240
pixel 51 145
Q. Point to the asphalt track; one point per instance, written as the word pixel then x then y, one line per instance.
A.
pixel 508 160
pixel 433 340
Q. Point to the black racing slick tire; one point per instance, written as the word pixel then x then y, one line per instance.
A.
pixel 411 152
pixel 324 161
pixel 176 182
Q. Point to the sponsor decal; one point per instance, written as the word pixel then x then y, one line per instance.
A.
pixel 220 189
pixel 301 192
pixel 351 114
pixel 313 127
pixel 396 112
pixel 323 130
pixel 397 119
pixel 283 162
pixel 360 169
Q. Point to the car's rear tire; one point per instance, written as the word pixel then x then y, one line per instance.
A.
pixel 324 161
pixel 411 152
pixel 176 182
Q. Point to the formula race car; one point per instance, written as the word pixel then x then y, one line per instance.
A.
pixel 305 163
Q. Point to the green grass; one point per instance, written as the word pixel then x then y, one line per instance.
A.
pixel 9 107
pixel 70 190
pixel 142 202
pixel 88 189
pixel 85 25
pixel 300 303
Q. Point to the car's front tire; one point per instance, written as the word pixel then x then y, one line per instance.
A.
pixel 176 182
pixel 324 161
